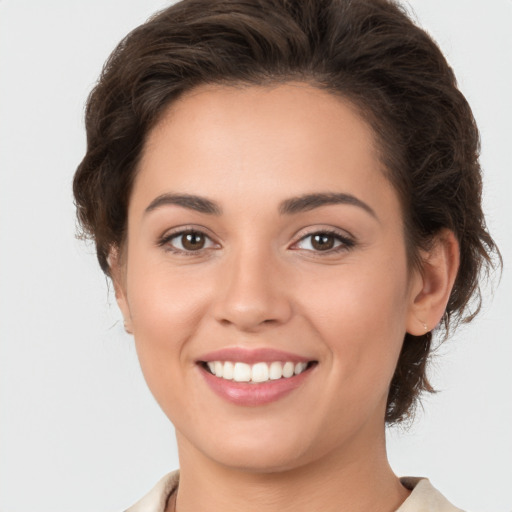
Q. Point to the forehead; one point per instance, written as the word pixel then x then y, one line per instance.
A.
pixel 258 142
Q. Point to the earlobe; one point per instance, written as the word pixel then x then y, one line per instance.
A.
pixel 117 273
pixel 430 295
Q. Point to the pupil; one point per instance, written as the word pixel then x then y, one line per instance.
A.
pixel 323 242
pixel 193 241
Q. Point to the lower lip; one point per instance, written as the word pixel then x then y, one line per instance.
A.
pixel 253 394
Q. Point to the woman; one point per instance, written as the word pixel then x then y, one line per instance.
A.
pixel 287 198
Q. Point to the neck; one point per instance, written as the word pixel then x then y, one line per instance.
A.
pixel 359 480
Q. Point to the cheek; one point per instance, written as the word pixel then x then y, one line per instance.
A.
pixel 166 307
pixel 361 315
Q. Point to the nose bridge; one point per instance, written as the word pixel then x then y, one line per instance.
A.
pixel 252 290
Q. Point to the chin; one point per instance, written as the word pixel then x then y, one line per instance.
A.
pixel 249 449
pixel 260 460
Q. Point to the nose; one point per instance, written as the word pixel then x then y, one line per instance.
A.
pixel 252 292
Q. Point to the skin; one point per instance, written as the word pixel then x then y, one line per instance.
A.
pixel 259 282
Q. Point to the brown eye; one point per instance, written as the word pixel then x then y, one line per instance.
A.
pixel 322 241
pixel 187 242
pixel 192 241
pixel 325 241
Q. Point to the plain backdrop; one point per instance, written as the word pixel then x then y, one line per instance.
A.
pixel 79 431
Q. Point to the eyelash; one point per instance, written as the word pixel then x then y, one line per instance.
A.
pixel 165 241
pixel 346 244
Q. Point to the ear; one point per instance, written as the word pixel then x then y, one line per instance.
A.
pixel 432 285
pixel 118 275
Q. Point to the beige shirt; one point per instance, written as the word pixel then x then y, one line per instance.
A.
pixel 423 498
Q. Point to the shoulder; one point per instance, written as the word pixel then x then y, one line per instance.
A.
pixel 156 499
pixel 424 497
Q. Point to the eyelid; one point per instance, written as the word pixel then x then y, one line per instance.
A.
pixel 166 238
pixel 347 240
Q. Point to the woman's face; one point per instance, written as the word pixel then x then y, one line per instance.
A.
pixel 262 231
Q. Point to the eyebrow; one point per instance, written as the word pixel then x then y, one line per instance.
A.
pixel 192 202
pixel 311 201
pixel 290 206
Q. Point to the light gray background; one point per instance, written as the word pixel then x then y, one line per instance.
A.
pixel 79 429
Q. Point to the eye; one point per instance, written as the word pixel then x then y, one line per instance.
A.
pixel 324 241
pixel 188 241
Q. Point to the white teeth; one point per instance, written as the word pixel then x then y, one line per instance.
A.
pixel 300 367
pixel 227 370
pixel 288 369
pixel 276 370
pixel 218 368
pixel 241 372
pixel 259 372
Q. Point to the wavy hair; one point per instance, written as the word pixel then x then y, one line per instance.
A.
pixel 367 51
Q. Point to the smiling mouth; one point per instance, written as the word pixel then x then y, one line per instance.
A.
pixel 256 373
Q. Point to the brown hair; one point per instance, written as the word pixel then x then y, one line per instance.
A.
pixel 368 51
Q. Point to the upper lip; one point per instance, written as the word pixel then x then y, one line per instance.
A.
pixel 252 356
